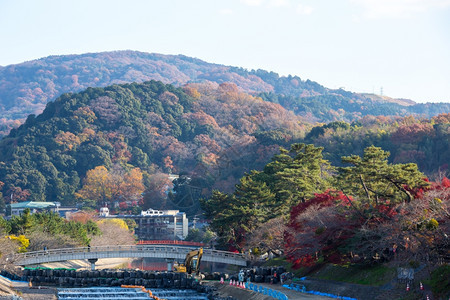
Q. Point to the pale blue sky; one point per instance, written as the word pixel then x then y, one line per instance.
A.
pixel 402 46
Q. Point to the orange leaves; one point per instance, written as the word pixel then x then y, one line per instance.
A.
pixel 68 140
pixel 209 159
pixel 81 216
pixel 131 188
pixel 85 113
pixel 168 98
pixel 191 91
pixel 96 185
pixel 442 119
pixel 412 133
pixel 168 163
pixel 206 141
pixel 201 118
pixel 102 185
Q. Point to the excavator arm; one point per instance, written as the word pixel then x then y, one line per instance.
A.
pixel 191 263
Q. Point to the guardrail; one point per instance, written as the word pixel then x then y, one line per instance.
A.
pixel 171 242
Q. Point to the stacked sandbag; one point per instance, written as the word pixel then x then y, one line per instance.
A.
pixel 260 274
pixel 109 278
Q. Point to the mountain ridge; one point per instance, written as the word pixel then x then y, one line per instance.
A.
pixel 27 87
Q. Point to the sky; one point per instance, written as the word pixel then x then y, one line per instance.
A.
pixel 398 48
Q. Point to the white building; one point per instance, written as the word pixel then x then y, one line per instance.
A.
pixel 161 225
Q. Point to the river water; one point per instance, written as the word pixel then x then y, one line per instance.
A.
pixel 115 293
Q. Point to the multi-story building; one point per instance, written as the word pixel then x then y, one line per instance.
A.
pixel 156 224
pixel 161 225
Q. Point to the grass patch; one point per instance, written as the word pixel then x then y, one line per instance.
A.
pixel 440 281
pixel 374 276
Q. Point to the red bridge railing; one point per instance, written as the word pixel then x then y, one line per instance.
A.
pixel 171 242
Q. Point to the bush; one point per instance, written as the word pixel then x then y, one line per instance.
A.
pixel 440 281
pixel 23 241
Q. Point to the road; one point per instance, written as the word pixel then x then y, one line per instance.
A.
pixel 226 290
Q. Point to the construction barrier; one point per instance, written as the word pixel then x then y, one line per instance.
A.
pixel 266 291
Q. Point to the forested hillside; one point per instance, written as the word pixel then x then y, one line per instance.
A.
pixel 120 142
pixel 367 212
pixel 425 142
pixel 112 144
pixel 26 88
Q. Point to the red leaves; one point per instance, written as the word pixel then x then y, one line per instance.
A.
pixel 317 228
pixel 386 210
pixel 332 228
pixel 445 182
pixel 412 133
pixel 325 199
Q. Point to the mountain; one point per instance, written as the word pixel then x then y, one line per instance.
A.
pixel 207 133
pixel 211 132
pixel 26 88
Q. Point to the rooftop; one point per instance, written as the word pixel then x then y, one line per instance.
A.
pixel 33 204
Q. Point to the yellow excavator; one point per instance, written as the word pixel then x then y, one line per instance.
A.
pixel 191 263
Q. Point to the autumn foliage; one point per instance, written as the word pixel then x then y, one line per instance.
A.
pixel 105 186
pixel 329 228
pixel 317 229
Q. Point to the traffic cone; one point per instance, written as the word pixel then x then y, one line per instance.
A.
pixel 221 280
pixel 407 287
pixel 421 286
pixel 231 282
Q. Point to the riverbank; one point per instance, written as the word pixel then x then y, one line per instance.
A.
pixel 9 289
pixel 5 288
pixel 225 290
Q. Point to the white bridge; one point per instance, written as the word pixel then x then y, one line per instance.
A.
pixel 92 254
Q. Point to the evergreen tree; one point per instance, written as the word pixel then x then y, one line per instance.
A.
pixel 372 181
pixel 256 199
pixel 299 178
pixel 221 216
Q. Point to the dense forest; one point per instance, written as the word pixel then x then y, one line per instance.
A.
pixel 112 144
pixel 117 144
pixel 425 142
pixel 26 88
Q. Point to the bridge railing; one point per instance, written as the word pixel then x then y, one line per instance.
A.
pixel 175 249
pixel 170 242
pixel 109 248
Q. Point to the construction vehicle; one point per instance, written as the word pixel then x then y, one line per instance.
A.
pixel 191 263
